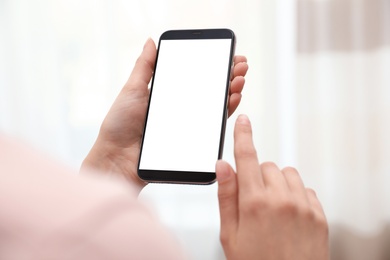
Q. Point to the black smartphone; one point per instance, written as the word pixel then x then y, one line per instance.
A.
pixel 187 112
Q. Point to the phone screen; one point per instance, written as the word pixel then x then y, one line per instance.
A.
pixel 187 106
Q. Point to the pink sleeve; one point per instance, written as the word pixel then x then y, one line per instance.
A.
pixel 46 212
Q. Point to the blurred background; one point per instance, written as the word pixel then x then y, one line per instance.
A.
pixel 317 92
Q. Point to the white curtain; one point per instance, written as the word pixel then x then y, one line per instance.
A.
pixel 317 92
pixel 343 118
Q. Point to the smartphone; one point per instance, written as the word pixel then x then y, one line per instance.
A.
pixel 187 112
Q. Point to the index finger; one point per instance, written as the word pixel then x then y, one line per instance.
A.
pixel 248 170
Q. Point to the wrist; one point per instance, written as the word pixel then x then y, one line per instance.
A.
pixel 111 160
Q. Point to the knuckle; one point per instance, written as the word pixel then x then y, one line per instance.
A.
pixel 290 170
pixel 297 209
pixel 268 165
pixel 245 151
pixel 308 214
pixel 142 61
pixel 311 192
pixel 322 224
pixel 224 238
pixel 244 128
pixel 135 81
pixel 225 195
pixel 288 207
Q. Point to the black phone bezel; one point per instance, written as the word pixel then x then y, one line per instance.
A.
pixel 190 177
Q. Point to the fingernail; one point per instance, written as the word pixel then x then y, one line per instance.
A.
pixel 243 120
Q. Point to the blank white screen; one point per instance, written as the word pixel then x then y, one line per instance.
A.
pixel 185 114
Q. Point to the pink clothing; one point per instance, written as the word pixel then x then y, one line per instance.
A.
pixel 46 212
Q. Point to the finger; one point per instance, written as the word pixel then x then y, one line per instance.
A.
pixel 237 84
pixel 236 87
pixel 228 199
pixel 240 69
pixel 295 183
pixel 273 176
pixel 234 101
pixel 248 171
pixel 239 58
pixel 144 66
pixel 314 202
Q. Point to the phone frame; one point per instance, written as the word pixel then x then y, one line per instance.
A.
pixel 190 177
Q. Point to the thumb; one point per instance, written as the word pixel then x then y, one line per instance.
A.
pixel 228 200
pixel 144 66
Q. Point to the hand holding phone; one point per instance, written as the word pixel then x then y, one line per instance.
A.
pixel 187 111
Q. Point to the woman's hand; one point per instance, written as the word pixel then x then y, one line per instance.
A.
pixel 117 147
pixel 267 213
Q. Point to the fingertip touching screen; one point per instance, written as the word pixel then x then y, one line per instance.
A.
pixel 187 105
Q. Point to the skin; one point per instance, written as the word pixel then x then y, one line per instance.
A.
pixel 117 147
pixel 267 213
